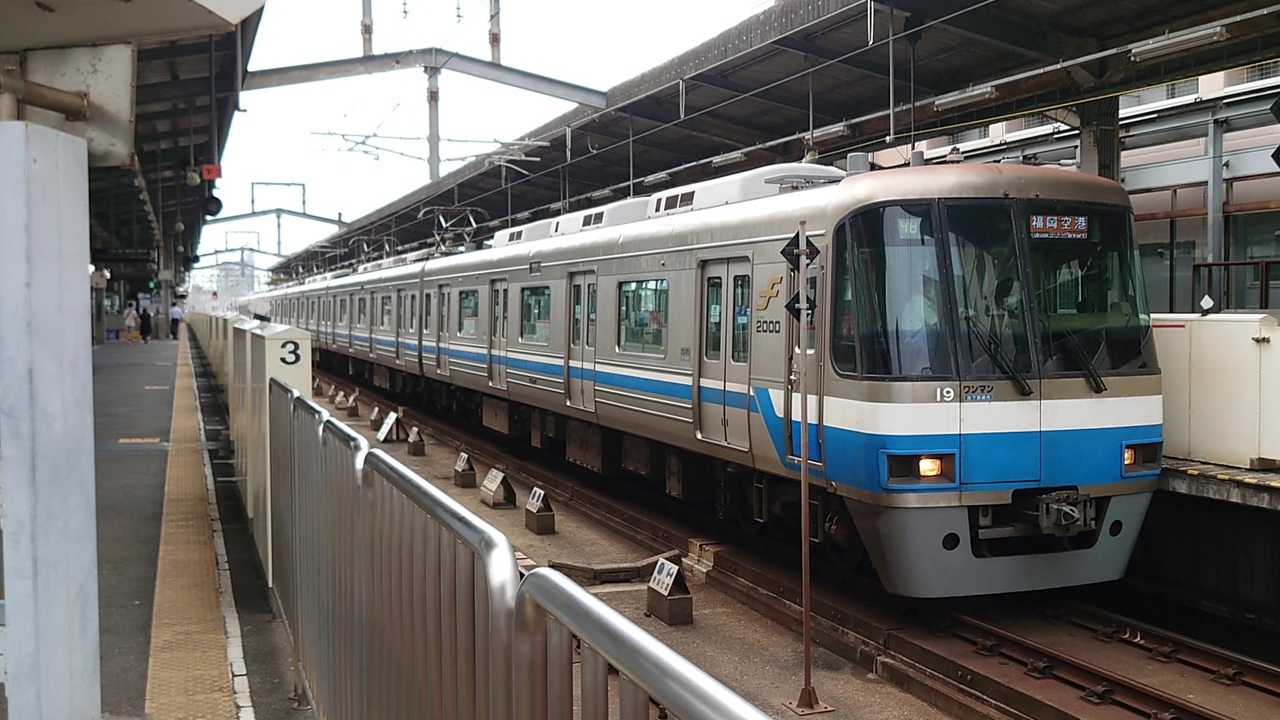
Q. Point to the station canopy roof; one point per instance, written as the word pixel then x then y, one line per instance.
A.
pixel 184 58
pixel 743 99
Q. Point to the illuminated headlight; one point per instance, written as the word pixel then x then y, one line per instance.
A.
pixel 932 466
pixel 1130 456
pixel 1142 457
pixel 917 469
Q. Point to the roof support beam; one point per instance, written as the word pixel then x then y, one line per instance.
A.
pixel 1026 39
pixel 805 47
pixel 428 58
pixel 765 96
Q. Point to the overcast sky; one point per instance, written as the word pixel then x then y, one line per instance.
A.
pixel 595 43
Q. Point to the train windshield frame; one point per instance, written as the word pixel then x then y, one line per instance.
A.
pixel 1015 289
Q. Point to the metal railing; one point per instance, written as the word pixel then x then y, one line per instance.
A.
pixel 399 600
pixel 646 668
pixel 1231 291
pixel 402 603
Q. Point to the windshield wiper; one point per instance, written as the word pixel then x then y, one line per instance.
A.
pixel 1085 363
pixel 1001 360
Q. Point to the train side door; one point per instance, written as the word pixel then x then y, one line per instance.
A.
pixel 813 367
pixel 724 383
pixel 442 333
pixel 498 334
pixel 582 341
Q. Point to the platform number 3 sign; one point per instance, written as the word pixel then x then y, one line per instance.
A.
pixel 289 352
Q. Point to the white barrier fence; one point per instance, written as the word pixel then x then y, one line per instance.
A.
pixel 401 603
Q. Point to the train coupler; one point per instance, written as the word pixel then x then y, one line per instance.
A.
pixel 1066 513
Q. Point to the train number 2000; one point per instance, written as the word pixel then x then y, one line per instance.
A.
pixel 768 326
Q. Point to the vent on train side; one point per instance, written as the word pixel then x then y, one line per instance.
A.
pixel 740 187
pixel 616 213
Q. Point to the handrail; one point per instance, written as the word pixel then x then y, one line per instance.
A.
pixel 679 685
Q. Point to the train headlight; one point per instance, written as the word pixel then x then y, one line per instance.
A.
pixel 1130 456
pixel 932 466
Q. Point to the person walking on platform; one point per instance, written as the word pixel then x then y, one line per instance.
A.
pixel 144 326
pixel 175 319
pixel 130 322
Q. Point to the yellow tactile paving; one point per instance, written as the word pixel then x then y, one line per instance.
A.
pixel 188 676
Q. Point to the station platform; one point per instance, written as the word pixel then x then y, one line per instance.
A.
pixel 179 639
pixel 1254 488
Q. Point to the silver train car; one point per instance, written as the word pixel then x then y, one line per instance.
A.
pixel 984 395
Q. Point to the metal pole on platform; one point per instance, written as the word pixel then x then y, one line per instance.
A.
pixel 494 35
pixel 808 702
pixel 433 123
pixel 366 27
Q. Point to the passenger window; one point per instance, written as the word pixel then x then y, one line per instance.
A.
pixel 711 338
pixel 741 318
pixel 413 312
pixel 362 312
pixel 388 312
pixel 591 315
pixel 342 311
pixel 426 312
pixel 642 317
pixel 535 315
pixel 575 337
pixel 468 313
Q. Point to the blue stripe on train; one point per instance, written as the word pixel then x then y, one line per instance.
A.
pixel 852 457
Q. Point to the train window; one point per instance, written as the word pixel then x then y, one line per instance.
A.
pixel 671 201
pixel 362 312
pixel 314 316
pixel 413 312
pixel 712 336
pixel 387 314
pixel 468 313
pixel 1088 282
pixel 426 311
pixel 591 315
pixel 535 315
pixel 575 337
pixel 888 295
pixel 642 316
pixel 988 289
pixel 686 200
pixel 741 318
pixel 342 311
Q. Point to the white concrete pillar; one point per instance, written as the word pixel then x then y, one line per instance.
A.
pixel 47 501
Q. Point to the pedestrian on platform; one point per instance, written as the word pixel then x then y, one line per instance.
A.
pixel 130 322
pixel 144 326
pixel 175 319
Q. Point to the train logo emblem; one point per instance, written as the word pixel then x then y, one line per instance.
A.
pixel 769 293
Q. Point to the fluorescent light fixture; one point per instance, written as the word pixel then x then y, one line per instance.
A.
pixel 524 216
pixel 965 97
pixel 655 179
pixel 728 159
pixel 1172 45
pixel 600 194
pixel 830 133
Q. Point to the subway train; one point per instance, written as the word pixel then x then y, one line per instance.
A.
pixel 984 399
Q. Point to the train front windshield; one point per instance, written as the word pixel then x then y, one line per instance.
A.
pixel 1037 289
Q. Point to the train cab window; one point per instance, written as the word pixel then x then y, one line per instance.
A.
pixel 1089 302
pixel 713 337
pixel 741 348
pixel 535 315
pixel 468 313
pixel 988 287
pixel 888 309
pixel 591 315
pixel 642 317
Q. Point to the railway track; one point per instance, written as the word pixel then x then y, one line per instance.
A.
pixel 1032 656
